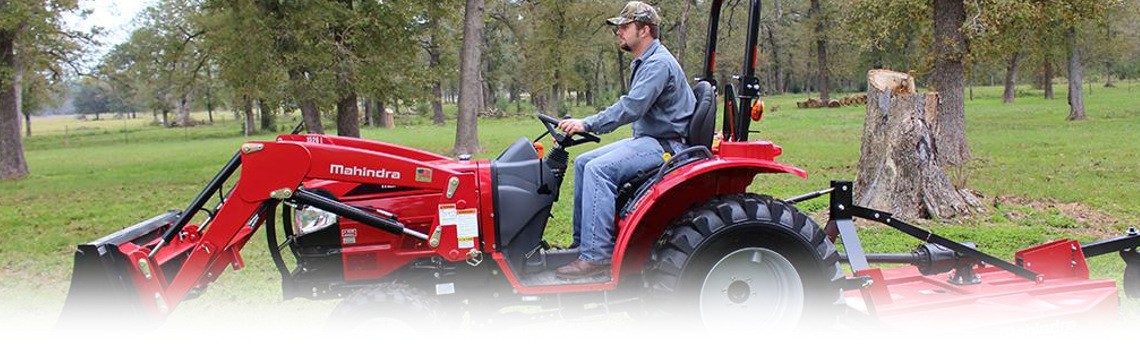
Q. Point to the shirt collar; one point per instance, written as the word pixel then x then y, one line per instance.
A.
pixel 650 50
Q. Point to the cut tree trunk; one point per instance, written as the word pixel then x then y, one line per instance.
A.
pixel 184 106
pixel 898 170
pixel 387 118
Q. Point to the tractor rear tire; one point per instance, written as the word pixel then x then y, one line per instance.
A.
pixel 745 262
pixel 391 307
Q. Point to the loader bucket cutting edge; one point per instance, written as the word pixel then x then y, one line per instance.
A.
pixel 101 285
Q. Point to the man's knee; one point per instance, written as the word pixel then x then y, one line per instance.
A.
pixel 598 170
pixel 580 161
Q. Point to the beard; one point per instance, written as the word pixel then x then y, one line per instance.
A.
pixel 625 47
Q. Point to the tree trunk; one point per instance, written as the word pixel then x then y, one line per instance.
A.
pixel 437 103
pixel 466 135
pixel 28 124
pixel 556 96
pixel 823 80
pixel 1076 76
pixel 898 169
pixel 247 122
pixel 949 80
pixel 13 165
pixel 777 71
pixel 268 114
pixel 348 116
pixel 369 111
pixel 165 117
pixel 387 120
pixel 683 33
pixel 185 104
pixel 621 71
pixel 434 56
pixel 311 114
pixel 1048 79
pixel 1011 77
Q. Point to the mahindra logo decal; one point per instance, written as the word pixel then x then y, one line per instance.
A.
pixel 365 172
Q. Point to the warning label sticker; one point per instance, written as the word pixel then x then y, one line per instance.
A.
pixel 447 215
pixel 467 228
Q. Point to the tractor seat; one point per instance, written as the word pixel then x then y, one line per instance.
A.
pixel 700 133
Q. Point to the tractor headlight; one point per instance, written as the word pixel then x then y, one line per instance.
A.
pixel 308 219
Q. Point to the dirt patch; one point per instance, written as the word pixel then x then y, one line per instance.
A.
pixel 1071 218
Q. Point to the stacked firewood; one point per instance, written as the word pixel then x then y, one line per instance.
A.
pixel 853 100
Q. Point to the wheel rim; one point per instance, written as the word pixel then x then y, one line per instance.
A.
pixel 752 288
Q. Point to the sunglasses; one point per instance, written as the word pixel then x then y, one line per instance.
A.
pixel 617 30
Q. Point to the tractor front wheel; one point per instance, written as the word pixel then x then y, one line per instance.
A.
pixel 745 262
pixel 391 307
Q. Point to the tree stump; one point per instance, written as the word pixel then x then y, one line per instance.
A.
pixel 899 171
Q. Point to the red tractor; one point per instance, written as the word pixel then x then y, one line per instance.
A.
pixel 399 232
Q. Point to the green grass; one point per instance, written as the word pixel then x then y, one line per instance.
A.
pixel 102 176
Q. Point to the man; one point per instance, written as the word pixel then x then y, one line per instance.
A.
pixel 659 105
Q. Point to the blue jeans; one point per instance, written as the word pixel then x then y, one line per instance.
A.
pixel 597 174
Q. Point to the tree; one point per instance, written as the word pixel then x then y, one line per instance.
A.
pixel 1005 25
pixel 949 79
pixel 823 79
pixel 1076 77
pixel 92 97
pixel 175 41
pixel 466 135
pixel 33 38
pixel 1077 14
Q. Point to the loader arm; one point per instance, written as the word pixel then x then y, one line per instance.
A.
pixel 271 172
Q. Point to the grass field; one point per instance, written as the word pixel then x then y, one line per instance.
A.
pixel 1042 178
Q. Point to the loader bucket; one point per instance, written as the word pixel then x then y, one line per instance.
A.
pixel 102 291
pixel 1131 272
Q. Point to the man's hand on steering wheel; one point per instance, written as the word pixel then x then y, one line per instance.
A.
pixel 574 131
pixel 572 126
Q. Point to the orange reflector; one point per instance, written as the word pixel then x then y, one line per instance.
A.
pixel 540 148
pixel 757 110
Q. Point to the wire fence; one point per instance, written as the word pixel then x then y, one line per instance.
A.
pixel 71 132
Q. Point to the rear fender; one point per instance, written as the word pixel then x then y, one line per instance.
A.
pixel 680 190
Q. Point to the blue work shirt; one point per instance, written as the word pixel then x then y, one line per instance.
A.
pixel 659 103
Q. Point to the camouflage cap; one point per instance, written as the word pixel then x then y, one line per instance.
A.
pixel 636 11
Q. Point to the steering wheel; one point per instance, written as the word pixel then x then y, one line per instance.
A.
pixel 562 139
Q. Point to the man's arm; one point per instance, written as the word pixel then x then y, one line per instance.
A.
pixel 648 83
